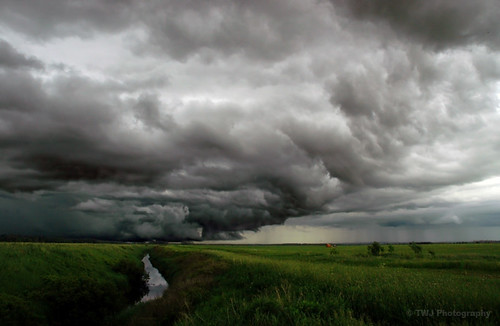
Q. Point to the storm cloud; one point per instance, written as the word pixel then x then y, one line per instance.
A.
pixel 207 119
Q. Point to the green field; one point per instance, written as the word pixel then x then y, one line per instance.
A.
pixel 67 284
pixel 278 285
pixel 311 285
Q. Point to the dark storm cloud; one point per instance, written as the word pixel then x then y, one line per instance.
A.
pixel 216 117
pixel 439 24
pixel 10 58
pixel 59 18
pixel 71 139
pixel 55 134
pixel 257 29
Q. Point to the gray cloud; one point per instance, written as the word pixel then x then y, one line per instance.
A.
pixel 10 58
pixel 438 24
pixel 219 117
pixel 255 29
pixel 59 18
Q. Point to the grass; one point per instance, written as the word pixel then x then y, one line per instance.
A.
pixel 306 285
pixel 191 276
pixel 256 285
pixel 54 284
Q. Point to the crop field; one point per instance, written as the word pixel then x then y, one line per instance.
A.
pixel 442 284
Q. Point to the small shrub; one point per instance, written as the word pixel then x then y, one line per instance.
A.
pixel 432 253
pixel 375 248
pixel 416 248
pixel 391 249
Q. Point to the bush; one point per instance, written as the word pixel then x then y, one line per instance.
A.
pixel 416 248
pixel 391 249
pixel 375 249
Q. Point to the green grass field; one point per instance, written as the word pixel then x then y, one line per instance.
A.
pixel 57 284
pixel 268 285
pixel 308 285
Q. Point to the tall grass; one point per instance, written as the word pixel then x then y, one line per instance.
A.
pixel 61 284
pixel 82 284
pixel 306 285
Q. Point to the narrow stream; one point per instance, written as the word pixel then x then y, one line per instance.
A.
pixel 156 283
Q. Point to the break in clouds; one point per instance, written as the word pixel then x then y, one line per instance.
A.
pixel 205 119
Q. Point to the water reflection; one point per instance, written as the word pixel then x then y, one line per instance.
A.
pixel 156 284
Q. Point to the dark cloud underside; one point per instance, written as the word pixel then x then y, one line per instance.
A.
pixel 205 119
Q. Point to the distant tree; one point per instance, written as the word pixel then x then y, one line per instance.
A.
pixel 375 248
pixel 391 249
pixel 416 248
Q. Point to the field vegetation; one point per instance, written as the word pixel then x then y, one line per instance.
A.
pixel 308 285
pixel 68 284
pixel 431 284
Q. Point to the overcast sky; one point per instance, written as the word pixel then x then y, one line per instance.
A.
pixel 264 121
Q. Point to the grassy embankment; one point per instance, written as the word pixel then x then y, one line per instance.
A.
pixel 308 285
pixel 67 284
